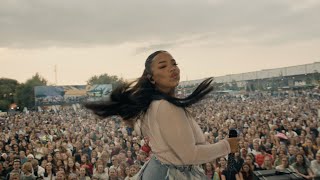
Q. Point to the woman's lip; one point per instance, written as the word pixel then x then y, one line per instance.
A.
pixel 174 75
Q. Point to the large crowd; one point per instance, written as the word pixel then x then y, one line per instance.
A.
pixel 276 132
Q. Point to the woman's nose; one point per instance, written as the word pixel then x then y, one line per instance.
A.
pixel 173 68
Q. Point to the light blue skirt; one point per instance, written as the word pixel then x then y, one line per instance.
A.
pixel 156 170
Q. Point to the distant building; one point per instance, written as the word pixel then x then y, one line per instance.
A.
pixel 301 75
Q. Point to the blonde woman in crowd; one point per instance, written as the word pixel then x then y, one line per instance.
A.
pixel 27 172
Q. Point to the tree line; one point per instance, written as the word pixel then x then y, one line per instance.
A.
pixel 22 94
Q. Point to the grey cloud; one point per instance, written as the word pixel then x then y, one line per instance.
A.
pixel 160 24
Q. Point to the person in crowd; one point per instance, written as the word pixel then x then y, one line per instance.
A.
pixel 145 147
pixel 238 161
pixel 284 164
pixel 101 173
pixel 250 160
pixel 71 169
pixel 38 171
pixel 302 168
pixel 209 170
pixel 246 172
pixel 115 162
pixel 255 150
pixel 27 172
pixel 222 165
pixel 315 165
pixel 267 163
pixel 23 157
pixel 50 173
pixel 61 175
pixel 113 174
pixel 16 169
pixel 83 174
pixel 133 170
pixel 87 164
pixel 259 158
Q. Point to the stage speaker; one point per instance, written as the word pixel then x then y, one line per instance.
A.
pixel 273 174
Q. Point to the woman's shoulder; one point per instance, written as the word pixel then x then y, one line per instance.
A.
pixel 160 101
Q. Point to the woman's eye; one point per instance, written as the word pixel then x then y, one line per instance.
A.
pixel 162 67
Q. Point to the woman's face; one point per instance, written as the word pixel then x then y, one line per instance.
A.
pixel 24 143
pixel 43 163
pixel 248 160
pixel 129 154
pixel 267 161
pixel 127 170
pixel 49 166
pixel 64 156
pixel 70 163
pixel 94 154
pixel 284 161
pixel 112 173
pixel 208 166
pixel 82 172
pixel 299 158
pixel 84 159
pixel 128 144
pixel 100 168
pixel 165 72
pixel 49 158
pixel 246 168
pixel 222 162
pixel 59 163
pixel 133 171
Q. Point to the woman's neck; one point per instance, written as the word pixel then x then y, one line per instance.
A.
pixel 168 92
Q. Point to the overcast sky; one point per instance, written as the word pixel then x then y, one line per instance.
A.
pixel 207 37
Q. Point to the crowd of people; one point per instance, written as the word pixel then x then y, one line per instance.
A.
pixel 276 132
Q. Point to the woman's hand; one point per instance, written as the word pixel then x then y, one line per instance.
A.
pixel 234 144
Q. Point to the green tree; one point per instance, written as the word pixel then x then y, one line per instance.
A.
pixel 7 91
pixel 105 79
pixel 25 92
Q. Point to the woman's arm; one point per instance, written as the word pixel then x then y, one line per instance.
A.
pixel 177 132
pixel 300 174
pixel 310 173
pixel 240 176
pixel 223 177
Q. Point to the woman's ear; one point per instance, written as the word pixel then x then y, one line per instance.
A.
pixel 151 79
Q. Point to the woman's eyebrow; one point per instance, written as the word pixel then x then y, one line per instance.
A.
pixel 161 62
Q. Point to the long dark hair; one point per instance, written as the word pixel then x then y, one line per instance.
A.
pixel 249 175
pixel 131 100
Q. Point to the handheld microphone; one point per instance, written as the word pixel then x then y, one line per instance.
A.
pixel 232 171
